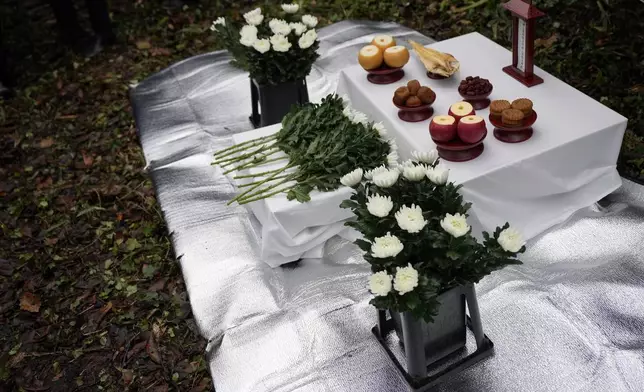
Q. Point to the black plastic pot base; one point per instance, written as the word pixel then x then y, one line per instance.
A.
pixel 440 371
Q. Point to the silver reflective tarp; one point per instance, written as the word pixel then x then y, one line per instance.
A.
pixel 570 319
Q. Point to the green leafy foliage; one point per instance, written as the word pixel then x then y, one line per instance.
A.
pixel 272 67
pixel 321 144
pixel 442 261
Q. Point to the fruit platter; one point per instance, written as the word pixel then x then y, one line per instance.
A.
pixel 383 60
pixel 459 135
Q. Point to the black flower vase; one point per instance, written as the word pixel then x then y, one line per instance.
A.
pixel 272 102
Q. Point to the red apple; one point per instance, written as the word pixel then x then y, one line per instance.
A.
pixel 471 129
pixel 460 110
pixel 442 128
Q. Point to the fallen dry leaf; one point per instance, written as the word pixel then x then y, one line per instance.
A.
pixel 546 43
pixel 128 376
pixel 30 302
pixel 47 142
pixel 160 52
pixel 46 183
pixel 143 44
pixel 158 285
pixel 51 241
pixel 153 349
pixel 88 160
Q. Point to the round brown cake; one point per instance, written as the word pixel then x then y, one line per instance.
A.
pixel 401 95
pixel 524 105
pixel 498 106
pixel 512 117
pixel 413 102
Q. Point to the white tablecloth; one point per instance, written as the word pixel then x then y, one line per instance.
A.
pixel 569 163
pixel 292 230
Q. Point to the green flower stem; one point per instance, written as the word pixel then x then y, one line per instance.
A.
pixel 234 199
pixel 236 158
pixel 257 175
pixel 255 182
pixel 254 163
pixel 243 146
pixel 264 190
pixel 265 196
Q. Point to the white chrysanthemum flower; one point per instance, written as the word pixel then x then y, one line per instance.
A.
pixel 456 225
pixel 380 284
pixel 311 34
pixel 348 112
pixel 392 144
pixel 410 219
pixel 290 8
pixel 279 26
pixel 310 20
pixel 380 128
pixel 406 279
pixel 219 21
pixel 392 159
pixel 386 178
pixel 511 240
pixel 254 17
pixel 371 173
pixel 345 100
pixel 415 172
pixel 387 246
pixel 352 178
pixel 407 163
pixel 248 40
pixel 262 45
pixel 359 118
pixel 425 156
pixel 379 206
pixel 438 175
pixel 298 28
pixel 304 42
pixel 280 43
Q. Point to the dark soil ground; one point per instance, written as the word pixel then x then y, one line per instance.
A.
pixel 91 296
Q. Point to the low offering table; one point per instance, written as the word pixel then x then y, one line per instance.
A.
pixel 567 164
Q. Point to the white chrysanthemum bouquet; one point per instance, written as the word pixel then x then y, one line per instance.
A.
pixel 273 51
pixel 416 236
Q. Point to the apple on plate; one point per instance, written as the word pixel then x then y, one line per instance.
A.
pixel 442 128
pixel 471 129
pixel 460 110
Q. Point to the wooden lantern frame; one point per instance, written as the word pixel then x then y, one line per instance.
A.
pixel 524 15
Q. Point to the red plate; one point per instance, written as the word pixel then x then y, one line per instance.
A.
pixel 415 114
pixel 478 102
pixel 458 145
pixel 516 134
pixel 527 123
pixel 385 75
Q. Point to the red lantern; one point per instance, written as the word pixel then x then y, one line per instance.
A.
pixel 524 15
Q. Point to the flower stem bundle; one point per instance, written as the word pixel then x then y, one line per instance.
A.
pixel 320 142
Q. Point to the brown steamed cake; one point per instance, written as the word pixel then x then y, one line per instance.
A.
pixel 524 105
pixel 401 95
pixel 426 95
pixel 413 86
pixel 512 117
pixel 413 101
pixel 498 106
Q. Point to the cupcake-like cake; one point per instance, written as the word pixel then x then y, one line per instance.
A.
pixel 498 106
pixel 524 105
pixel 512 117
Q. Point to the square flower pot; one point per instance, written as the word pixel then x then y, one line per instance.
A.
pixel 271 103
pixel 428 347
pixel 440 338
